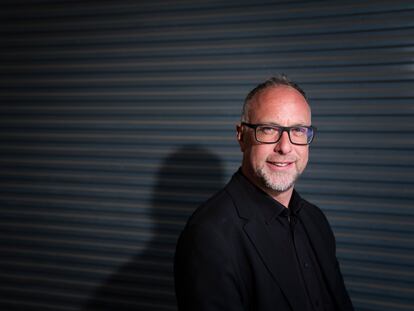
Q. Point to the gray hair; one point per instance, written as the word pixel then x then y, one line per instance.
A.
pixel 272 82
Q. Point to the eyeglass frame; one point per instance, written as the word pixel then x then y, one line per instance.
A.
pixel 283 129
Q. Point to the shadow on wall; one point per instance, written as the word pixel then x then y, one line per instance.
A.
pixel 186 178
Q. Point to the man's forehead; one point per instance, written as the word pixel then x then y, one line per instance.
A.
pixel 280 105
pixel 279 97
pixel 279 92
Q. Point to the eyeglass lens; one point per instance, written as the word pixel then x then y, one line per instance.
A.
pixel 298 135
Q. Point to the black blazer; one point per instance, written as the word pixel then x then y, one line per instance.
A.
pixel 227 260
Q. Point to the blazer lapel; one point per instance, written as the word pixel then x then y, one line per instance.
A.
pixel 278 260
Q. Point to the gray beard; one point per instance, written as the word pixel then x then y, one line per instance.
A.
pixel 279 182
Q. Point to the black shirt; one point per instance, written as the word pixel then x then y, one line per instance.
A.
pixel 285 222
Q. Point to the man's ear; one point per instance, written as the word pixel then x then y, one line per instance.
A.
pixel 240 137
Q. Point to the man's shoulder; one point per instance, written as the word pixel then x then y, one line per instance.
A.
pixel 218 207
pixel 215 221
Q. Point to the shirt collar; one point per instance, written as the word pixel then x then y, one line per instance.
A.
pixel 269 207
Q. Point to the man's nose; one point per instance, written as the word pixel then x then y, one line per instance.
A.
pixel 284 145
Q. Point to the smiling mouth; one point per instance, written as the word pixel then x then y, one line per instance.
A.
pixel 280 164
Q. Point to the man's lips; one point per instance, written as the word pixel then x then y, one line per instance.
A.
pixel 280 164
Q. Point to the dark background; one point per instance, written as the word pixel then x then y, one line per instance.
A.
pixel 118 118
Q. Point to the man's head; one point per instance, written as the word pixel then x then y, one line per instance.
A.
pixel 275 163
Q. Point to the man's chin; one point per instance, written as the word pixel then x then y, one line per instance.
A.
pixel 279 183
pixel 279 187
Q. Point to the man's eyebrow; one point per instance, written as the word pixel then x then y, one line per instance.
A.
pixel 276 124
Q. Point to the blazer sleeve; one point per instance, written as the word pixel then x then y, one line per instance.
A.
pixel 205 273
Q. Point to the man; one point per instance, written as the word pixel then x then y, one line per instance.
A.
pixel 257 245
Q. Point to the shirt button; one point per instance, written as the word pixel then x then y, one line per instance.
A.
pixel 306 265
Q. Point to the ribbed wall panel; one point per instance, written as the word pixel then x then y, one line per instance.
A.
pixel 117 118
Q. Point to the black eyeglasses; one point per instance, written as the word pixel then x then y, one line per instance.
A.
pixel 270 134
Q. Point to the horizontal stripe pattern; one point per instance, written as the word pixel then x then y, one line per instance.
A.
pixel 118 118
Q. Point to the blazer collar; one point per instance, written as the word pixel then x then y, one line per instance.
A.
pixel 247 197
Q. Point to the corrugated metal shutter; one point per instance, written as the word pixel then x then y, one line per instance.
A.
pixel 117 119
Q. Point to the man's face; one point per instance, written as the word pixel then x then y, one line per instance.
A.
pixel 275 167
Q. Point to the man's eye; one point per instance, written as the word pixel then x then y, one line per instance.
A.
pixel 268 130
pixel 298 131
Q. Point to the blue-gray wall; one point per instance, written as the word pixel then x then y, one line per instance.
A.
pixel 118 118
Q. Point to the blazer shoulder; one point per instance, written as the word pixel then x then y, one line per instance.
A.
pixel 218 208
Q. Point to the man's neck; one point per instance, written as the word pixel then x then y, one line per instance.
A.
pixel 282 197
